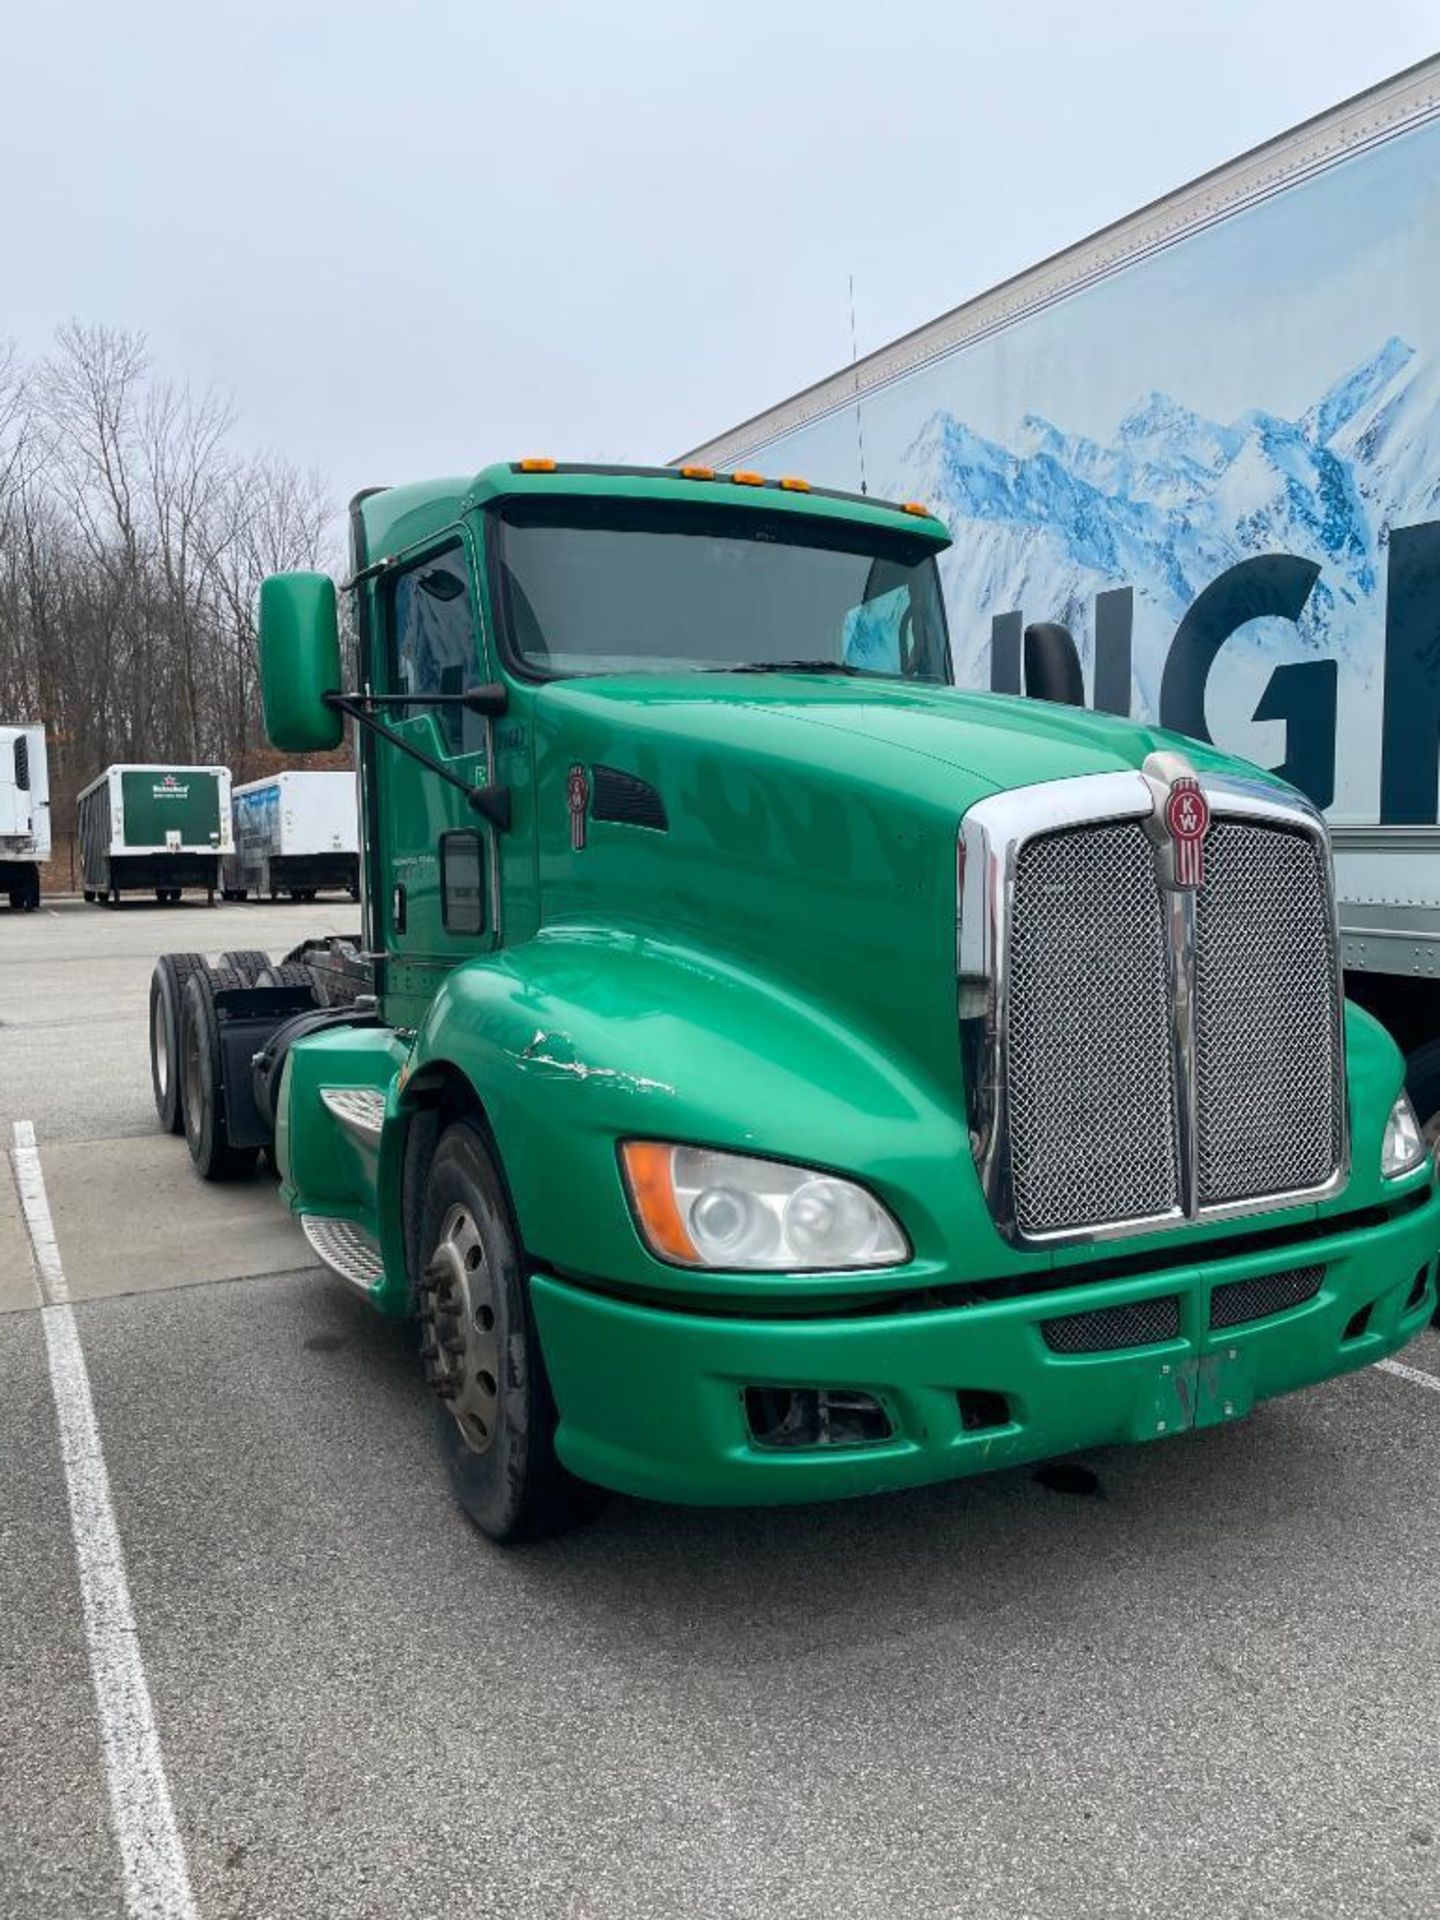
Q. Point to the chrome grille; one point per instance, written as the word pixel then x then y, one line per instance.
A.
pixel 1267 1115
pixel 1090 1077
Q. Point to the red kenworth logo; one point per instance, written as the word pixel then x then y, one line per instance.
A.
pixel 1187 820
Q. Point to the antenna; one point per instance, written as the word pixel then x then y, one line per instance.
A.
pixel 854 363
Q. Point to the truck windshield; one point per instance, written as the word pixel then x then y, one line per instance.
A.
pixel 599 587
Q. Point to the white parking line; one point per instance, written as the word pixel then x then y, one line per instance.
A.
pixel 152 1855
pixel 1414 1375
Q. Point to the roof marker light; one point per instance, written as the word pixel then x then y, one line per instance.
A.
pixel 792 485
pixel 697 473
pixel 536 466
pixel 918 507
pixel 748 479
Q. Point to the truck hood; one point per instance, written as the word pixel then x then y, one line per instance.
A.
pixel 975 743
pixel 800 829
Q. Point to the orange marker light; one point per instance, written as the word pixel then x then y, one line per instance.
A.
pixel 652 1194
pixel 697 473
pixel 536 466
pixel 748 479
pixel 917 506
pixel 792 485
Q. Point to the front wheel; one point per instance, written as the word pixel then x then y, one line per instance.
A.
pixel 496 1417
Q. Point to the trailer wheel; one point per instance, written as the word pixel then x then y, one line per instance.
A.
pixel 200 1070
pixel 248 962
pixel 496 1415
pixel 89 896
pixel 167 992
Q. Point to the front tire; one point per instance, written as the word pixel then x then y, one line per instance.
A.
pixel 496 1416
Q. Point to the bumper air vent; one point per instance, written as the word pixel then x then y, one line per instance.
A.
pixel 1139 1323
pixel 1237 1301
pixel 794 1418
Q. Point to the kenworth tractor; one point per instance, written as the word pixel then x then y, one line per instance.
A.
pixel 765 1072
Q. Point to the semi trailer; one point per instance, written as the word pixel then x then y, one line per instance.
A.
pixel 765 1070
pixel 294 833
pixel 153 828
pixel 24 814
pixel 1205 443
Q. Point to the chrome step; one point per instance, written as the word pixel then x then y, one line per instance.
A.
pixel 360 1110
pixel 347 1249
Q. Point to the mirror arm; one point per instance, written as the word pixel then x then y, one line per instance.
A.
pixel 491 802
pixel 491 699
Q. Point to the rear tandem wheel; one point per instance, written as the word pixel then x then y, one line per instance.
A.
pixel 167 991
pixel 203 1080
pixel 248 962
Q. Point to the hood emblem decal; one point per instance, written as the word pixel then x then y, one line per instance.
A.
pixel 577 796
pixel 1180 822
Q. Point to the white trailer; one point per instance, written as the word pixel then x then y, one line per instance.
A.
pixel 24 814
pixel 295 833
pixel 1206 443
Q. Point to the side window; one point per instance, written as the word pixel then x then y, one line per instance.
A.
pixel 433 641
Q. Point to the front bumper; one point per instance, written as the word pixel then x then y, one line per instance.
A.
pixel 652 1400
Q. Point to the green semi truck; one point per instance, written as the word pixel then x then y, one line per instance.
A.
pixel 765 1071
pixel 153 828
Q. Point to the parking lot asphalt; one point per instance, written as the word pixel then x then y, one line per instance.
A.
pixel 1205 1684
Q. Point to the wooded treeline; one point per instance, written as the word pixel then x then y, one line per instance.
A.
pixel 133 537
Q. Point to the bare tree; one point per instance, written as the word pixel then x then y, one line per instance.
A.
pixel 133 539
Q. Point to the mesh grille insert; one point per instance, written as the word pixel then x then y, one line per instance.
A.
pixel 1240 1300
pixel 1265 1041
pixel 1140 1323
pixel 1090 1076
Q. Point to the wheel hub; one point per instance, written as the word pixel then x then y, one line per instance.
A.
pixel 458 1340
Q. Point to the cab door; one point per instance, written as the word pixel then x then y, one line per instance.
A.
pixel 438 870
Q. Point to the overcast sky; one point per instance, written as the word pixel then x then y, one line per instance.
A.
pixel 410 239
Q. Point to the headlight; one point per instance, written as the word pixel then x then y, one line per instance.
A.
pixel 1403 1148
pixel 705 1209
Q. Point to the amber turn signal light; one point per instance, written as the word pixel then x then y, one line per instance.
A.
pixel 652 1193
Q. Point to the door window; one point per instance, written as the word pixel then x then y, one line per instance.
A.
pixel 432 627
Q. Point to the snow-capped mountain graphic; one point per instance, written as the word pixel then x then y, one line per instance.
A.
pixel 1045 523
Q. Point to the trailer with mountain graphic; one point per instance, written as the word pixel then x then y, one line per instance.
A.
pixel 1206 444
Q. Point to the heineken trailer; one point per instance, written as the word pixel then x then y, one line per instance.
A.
pixel 767 1072
pixel 153 828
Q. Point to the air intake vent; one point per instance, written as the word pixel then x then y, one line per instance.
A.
pixel 22 764
pixel 626 800
pixel 1241 1300
pixel 1141 1323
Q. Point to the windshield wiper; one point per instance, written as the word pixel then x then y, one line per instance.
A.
pixel 791 666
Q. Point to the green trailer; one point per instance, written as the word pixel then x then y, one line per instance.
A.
pixel 767 1072
pixel 153 828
